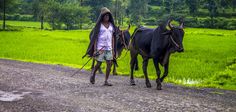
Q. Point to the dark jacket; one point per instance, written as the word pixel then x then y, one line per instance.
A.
pixel 95 32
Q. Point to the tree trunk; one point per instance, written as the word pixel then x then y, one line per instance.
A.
pixel 81 2
pixel 212 22
pixel 81 23
pixel 67 27
pixel 116 10
pixel 53 24
pixel 4 14
pixel 122 20
pixel 41 19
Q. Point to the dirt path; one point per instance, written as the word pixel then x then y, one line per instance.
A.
pixel 27 87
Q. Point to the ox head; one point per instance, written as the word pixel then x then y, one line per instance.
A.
pixel 175 35
pixel 123 36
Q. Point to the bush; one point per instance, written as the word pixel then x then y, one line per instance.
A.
pixel 176 17
pixel 231 25
pixel 150 21
pixel 219 23
pixel 191 22
pixel 18 17
pixel 26 18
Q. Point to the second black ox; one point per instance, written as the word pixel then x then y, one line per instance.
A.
pixel 156 44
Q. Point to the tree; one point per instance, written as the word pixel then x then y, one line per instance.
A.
pixel 223 4
pixel 212 8
pixel 54 14
pixel 137 10
pixel 96 5
pixel 233 5
pixel 5 5
pixel 25 7
pixel 69 13
pixel 193 6
pixel 83 14
pixel 120 11
pixel 40 9
pixel 168 6
pixel 178 6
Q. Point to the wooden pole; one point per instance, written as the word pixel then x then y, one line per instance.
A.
pixel 4 14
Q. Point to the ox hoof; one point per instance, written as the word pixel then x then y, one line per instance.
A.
pixel 132 83
pixel 92 79
pixel 136 68
pixel 100 72
pixel 148 84
pixel 161 79
pixel 159 86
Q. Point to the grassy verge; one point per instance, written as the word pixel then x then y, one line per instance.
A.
pixel 208 60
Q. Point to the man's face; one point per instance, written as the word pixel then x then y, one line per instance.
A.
pixel 106 18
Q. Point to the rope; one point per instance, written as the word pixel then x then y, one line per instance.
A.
pixel 174 41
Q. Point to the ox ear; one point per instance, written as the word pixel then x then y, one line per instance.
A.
pixel 117 29
pixel 168 32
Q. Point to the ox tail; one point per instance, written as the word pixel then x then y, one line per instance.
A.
pixel 135 31
pixel 136 68
pixel 132 37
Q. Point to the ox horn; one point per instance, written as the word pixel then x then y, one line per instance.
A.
pixel 181 25
pixel 169 26
pixel 128 27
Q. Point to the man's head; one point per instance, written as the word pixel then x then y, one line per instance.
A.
pixel 106 17
pixel 105 14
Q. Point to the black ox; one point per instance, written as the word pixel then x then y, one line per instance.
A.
pixel 157 44
pixel 122 43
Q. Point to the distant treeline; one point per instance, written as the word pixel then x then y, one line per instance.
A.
pixel 78 14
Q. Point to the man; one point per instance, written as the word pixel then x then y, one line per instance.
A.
pixel 103 41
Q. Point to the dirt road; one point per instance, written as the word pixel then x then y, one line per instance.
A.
pixel 28 87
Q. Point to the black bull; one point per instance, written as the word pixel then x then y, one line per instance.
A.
pixel 122 43
pixel 157 44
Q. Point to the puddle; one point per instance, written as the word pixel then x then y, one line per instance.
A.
pixel 12 96
pixel 189 81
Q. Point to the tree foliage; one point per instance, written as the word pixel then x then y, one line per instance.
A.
pixel 77 14
pixel 137 10
pixel 192 6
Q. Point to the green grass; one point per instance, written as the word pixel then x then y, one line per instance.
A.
pixel 209 59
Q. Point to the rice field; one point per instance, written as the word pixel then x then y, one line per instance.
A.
pixel 209 59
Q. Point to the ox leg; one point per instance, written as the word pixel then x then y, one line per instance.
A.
pixel 92 67
pixel 145 64
pixel 132 63
pixel 114 70
pixel 166 66
pixel 136 64
pixel 158 72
